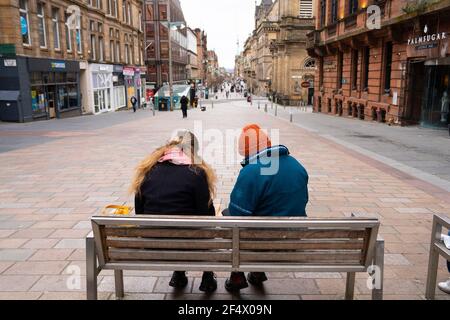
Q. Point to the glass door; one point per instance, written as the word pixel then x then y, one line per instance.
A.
pixel 435 108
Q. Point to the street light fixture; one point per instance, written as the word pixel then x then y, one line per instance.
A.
pixel 172 26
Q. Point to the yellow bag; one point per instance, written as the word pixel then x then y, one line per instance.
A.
pixel 119 210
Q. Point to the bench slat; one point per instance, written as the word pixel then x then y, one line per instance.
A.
pixel 147 243
pixel 305 245
pixel 304 257
pixel 302 234
pixel 142 255
pixel 168 233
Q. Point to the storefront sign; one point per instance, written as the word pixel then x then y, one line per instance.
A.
pixel 58 65
pixel 306 84
pixel 427 38
pixel 431 45
pixel 127 71
pixel 10 62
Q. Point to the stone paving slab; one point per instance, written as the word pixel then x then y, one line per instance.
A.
pixel 46 200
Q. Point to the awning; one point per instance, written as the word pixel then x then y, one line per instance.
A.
pixel 9 95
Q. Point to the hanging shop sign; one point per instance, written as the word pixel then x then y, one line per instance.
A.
pixel 128 71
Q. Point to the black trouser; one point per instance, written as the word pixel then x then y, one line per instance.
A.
pixel 184 112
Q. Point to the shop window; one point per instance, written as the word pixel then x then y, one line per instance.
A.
pixel 35 78
pixel 41 25
pixel 24 22
pixel 63 101
pixel 38 101
pixel 60 77
pixel 387 67
pixel 71 77
pixel 72 95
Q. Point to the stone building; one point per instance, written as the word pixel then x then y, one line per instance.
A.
pixel 385 61
pixel 202 53
pixel 158 14
pixel 61 58
pixel 275 56
pixel 193 71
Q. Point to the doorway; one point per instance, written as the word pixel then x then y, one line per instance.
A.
pixel 102 100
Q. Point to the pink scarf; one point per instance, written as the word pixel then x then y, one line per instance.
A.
pixel 176 156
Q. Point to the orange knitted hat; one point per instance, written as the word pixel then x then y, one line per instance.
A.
pixel 253 140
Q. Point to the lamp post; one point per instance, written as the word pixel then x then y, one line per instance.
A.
pixel 172 26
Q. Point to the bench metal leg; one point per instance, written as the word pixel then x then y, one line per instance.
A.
pixel 118 278
pixel 91 269
pixel 377 291
pixel 350 286
pixel 433 263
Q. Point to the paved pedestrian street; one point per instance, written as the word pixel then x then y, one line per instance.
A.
pixel 54 175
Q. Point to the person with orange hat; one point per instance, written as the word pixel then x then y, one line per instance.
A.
pixel 271 183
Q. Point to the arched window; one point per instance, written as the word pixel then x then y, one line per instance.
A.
pixel 310 64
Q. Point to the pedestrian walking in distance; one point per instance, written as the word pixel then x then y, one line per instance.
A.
pixel 134 101
pixel 184 105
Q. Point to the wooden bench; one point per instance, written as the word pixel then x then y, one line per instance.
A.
pixel 225 244
pixel 437 249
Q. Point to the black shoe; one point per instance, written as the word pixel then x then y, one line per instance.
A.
pixel 236 282
pixel 209 282
pixel 179 280
pixel 256 278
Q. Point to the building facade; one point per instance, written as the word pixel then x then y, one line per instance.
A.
pixel 202 53
pixel 275 59
pixel 385 61
pixel 193 70
pixel 63 58
pixel 158 14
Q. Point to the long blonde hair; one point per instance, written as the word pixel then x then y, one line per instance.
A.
pixel 188 143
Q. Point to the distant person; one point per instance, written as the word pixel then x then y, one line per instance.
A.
pixel 258 193
pixel 174 180
pixel 134 101
pixel 184 105
pixel 228 94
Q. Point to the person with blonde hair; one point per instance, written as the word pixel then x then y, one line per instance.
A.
pixel 174 180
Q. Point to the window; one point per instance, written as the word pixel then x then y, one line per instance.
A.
pixel 41 25
pixel 92 25
pixel 310 64
pixel 354 68
pixel 124 11
pixel 334 11
pixel 114 8
pixel 366 68
pixel 140 21
pixel 118 51
pixel 323 12
pixel 306 8
pixel 68 35
pixel 387 67
pixel 55 24
pixel 353 6
pixel 78 36
pixel 93 45
pixel 126 53
pixel 100 49
pixel 129 14
pixel 100 27
pixel 112 50
pixel 24 22
pixel 320 72
pixel 340 58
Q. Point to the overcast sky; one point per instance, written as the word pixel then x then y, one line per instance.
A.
pixel 224 22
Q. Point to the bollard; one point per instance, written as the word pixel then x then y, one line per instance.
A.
pixel 259 104
pixel 265 108
pixel 276 111
pixel 212 105
pixel 290 116
pixel 271 104
pixel 153 109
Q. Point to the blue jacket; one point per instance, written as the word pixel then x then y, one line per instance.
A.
pixel 284 193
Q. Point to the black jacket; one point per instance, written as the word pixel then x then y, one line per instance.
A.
pixel 184 102
pixel 170 189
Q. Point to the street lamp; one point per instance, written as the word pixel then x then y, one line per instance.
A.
pixel 172 26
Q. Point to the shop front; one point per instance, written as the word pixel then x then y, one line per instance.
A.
pixel 102 87
pixel 119 96
pixel 128 73
pixel 428 69
pixel 33 89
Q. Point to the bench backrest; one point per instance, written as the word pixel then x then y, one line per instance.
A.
pixel 234 243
